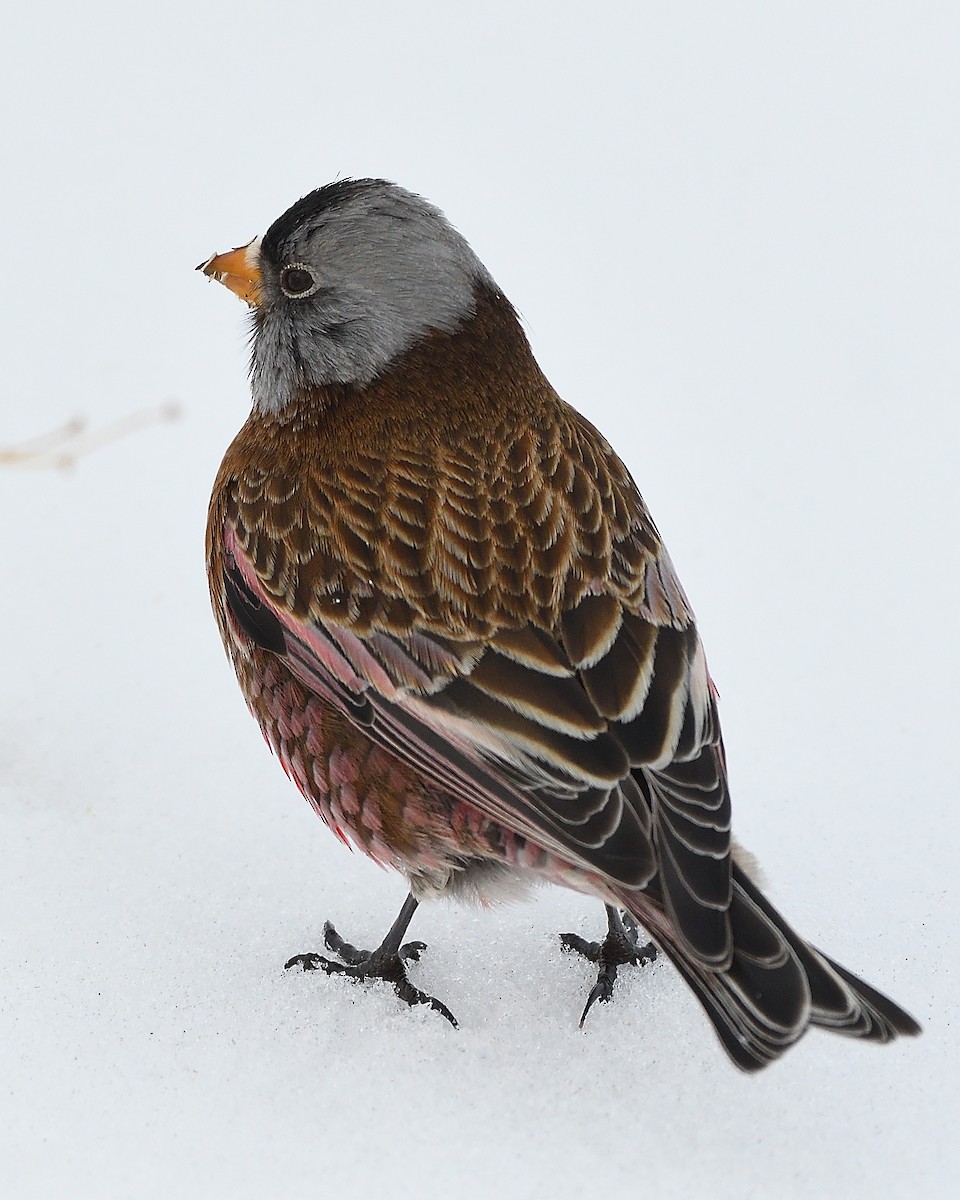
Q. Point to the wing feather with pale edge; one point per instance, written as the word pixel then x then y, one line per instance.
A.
pixel 598 739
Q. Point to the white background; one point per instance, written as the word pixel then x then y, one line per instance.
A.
pixel 732 232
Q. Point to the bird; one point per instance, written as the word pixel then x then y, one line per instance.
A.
pixel 454 619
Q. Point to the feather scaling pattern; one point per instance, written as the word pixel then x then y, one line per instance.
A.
pixel 455 621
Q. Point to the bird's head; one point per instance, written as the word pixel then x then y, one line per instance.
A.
pixel 349 278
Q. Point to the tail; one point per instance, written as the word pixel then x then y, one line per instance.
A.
pixel 777 985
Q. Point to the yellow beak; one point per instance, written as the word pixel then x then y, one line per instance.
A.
pixel 239 270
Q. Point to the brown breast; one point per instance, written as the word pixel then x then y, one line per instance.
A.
pixel 457 491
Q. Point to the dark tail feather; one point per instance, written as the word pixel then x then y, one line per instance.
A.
pixel 888 1019
pixel 777 985
pixel 840 1000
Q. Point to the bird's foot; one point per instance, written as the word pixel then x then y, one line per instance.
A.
pixel 385 964
pixel 621 947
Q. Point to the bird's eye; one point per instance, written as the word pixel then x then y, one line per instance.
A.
pixel 297 280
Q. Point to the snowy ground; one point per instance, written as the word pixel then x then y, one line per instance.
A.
pixel 732 232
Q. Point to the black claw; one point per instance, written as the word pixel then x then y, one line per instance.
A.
pixel 378 964
pixel 411 995
pixel 589 950
pixel 309 962
pixel 621 947
pixel 350 954
pixel 632 928
pixel 602 990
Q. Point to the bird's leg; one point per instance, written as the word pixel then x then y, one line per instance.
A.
pixel 386 962
pixel 620 947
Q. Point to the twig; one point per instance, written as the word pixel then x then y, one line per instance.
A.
pixel 61 447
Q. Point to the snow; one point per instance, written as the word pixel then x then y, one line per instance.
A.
pixel 732 233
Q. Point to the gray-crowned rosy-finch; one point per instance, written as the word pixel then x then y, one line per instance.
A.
pixel 454 619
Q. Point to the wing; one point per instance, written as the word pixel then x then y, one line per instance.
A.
pixel 573 707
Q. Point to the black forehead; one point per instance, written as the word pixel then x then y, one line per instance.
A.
pixel 325 199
